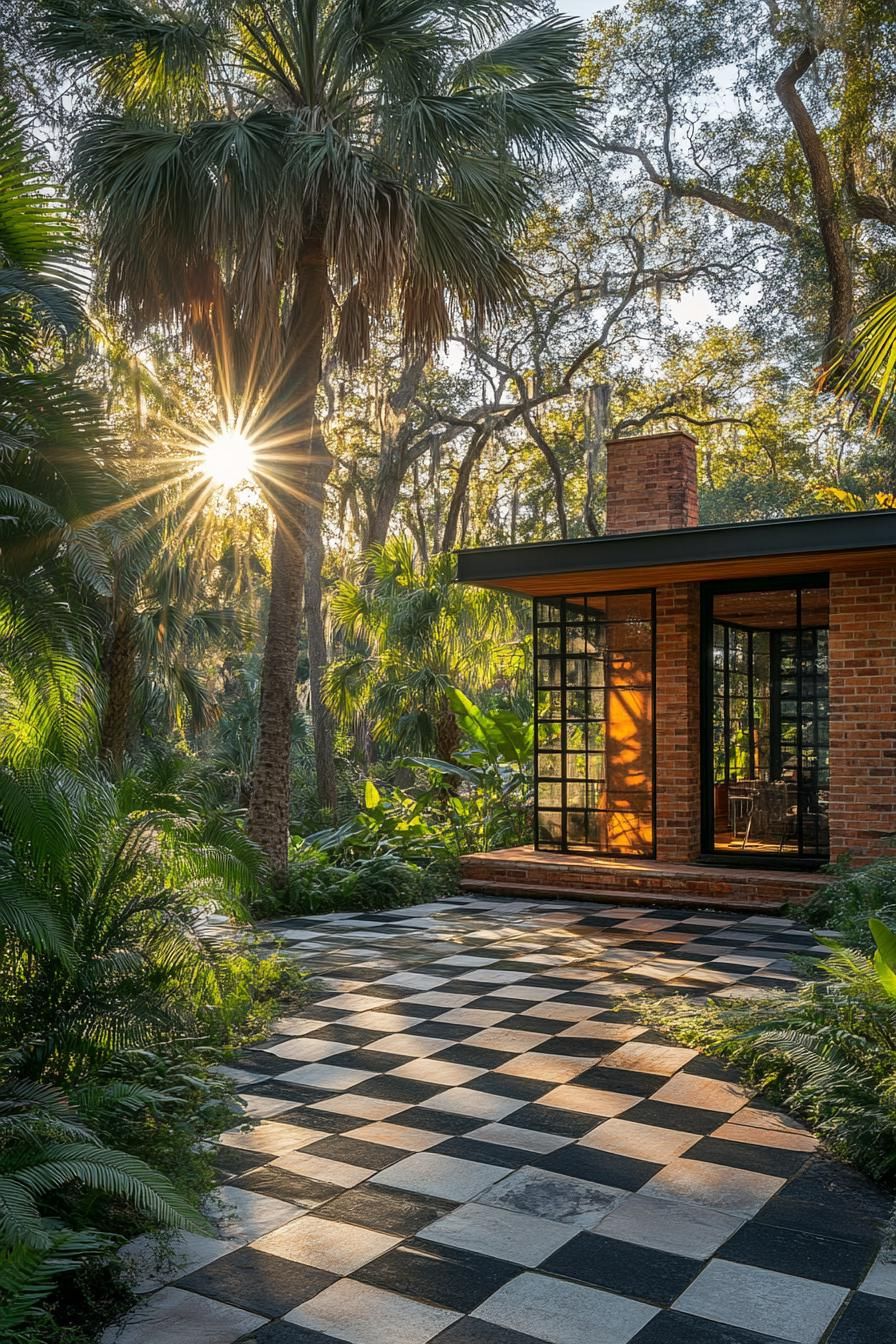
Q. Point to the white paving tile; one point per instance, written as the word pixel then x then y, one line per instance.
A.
pixel 519 1237
pixel 415 1047
pixel 437 1070
pixel 774 1304
pixel 339 1248
pixel 467 1101
pixel 532 1140
pixel 360 1314
pixel 308 1048
pixel 564 1313
pixel 436 1174
pixel 881 1279
pixel 676 1226
pixel 407 1137
pixel 179 1317
pixel 650 1143
pixel 729 1189
pixel 270 1137
pixel 153 1261
pixel 589 1100
pixel 317 1168
pixel 328 1077
pixel 555 1196
pixel 365 1108
pixel 242 1214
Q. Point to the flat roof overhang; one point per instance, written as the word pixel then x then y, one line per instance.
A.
pixel 690 554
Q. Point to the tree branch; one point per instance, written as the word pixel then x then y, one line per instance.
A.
pixel 824 194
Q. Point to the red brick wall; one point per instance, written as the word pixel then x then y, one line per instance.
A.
pixel 863 710
pixel 651 483
pixel 677 721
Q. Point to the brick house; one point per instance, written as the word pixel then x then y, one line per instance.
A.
pixel 715 707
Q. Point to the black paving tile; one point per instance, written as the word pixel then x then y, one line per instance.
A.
pixel 469 1330
pixel 686 1119
pixel 389 1088
pixel 675 1327
pixel 552 1120
pixel 750 1156
pixel 473 1055
pixel 438 1122
pixel 866 1320
pixel 281 1184
pixel 508 1085
pixel 629 1081
pixel 395 1211
pixel 495 1154
pixel 445 1277
pixel 358 1152
pixel 282 1332
pixel 235 1161
pixel 592 1164
pixel 828 1259
pixel 621 1267
pixel 265 1284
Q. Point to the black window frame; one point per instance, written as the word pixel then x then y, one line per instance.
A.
pixel 563 846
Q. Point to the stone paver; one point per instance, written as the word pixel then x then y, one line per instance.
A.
pixel 461 1141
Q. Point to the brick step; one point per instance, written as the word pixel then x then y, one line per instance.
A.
pixel 683 900
pixel 527 871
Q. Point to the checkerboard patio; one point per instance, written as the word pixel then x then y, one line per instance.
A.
pixel 462 1141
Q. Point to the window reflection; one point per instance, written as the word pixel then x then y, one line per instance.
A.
pixel 594 734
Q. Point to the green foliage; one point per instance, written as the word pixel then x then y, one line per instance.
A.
pixel 51 1161
pixel 391 821
pixel 117 997
pixel 318 882
pixel 417 635
pixel 864 373
pixel 490 803
pixel 853 895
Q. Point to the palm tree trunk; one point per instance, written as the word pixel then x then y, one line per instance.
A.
pixel 321 719
pixel 288 486
pixel 119 671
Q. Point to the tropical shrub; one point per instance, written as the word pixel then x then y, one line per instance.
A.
pixel 490 803
pixel 118 996
pixel 413 635
pixel 855 894
pixel 53 1168
pixel 319 883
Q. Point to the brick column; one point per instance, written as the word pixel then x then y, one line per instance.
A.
pixel 677 722
pixel 651 483
pixel 863 710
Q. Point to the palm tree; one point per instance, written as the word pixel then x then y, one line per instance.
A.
pixel 418 635
pixel 865 371
pixel 275 168
pixel 54 484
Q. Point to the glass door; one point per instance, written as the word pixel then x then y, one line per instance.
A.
pixel 765 720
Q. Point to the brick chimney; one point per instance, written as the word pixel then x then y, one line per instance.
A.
pixel 651 483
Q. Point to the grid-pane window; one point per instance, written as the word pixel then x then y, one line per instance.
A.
pixel 594 658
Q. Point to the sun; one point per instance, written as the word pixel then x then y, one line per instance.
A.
pixel 228 459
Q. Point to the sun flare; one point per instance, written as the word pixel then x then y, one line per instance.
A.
pixel 228 459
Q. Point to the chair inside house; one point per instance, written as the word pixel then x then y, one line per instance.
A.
pixel 769 720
